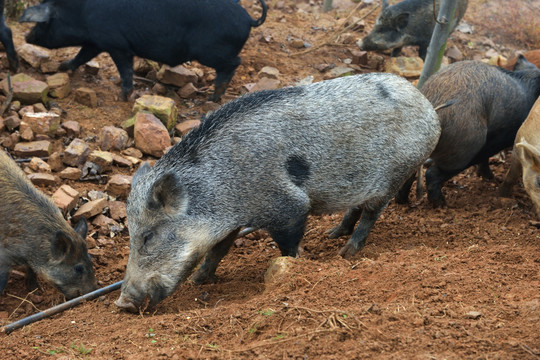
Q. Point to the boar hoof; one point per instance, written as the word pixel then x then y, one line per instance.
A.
pixel 348 251
pixel 338 231
pixel 202 278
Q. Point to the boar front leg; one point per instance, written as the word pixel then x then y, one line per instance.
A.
pixel 87 53
pixel 31 280
pixel 5 269
pixel 124 64
pixel 206 273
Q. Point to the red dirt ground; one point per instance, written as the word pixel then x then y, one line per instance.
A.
pixel 461 282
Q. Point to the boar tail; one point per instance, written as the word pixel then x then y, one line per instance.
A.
pixel 259 21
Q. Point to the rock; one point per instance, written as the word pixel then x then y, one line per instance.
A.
pixel 26 132
pixel 39 107
pixel 297 43
pixel 72 127
pixel 94 195
pixel 12 122
pixel 151 136
pixel 33 55
pixel 41 179
pixel 339 71
pixel 185 126
pixel 39 165
pixel 42 123
pixel 91 67
pixel 305 81
pixel 66 198
pixel 475 315
pixel 162 107
pixel 59 85
pixel 10 141
pixel 209 106
pixel 121 161
pixel 142 66
pixel 491 53
pixel 268 72
pixel 55 162
pixel 117 210
pixel 405 66
pixel 26 89
pixel 70 173
pixel 119 185
pixel 132 152
pixel 188 91
pixel 178 75
pixel 247 88
pixel 359 57
pixel 279 270
pixel 454 54
pixel 40 148
pixel 49 66
pixel 105 225
pixel 86 96
pixel 90 209
pixel 103 159
pixel 112 137
pixel 76 153
pixel 266 84
pixel 498 60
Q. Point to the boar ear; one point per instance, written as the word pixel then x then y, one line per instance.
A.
pixel 528 154
pixel 143 169
pixel 523 64
pixel 38 13
pixel 167 193
pixel 384 4
pixel 60 246
pixel 81 228
pixel 402 20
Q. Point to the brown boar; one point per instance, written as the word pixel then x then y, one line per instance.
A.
pixel 34 234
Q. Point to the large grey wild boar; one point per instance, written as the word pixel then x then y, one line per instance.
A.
pixel 267 160
pixel 33 233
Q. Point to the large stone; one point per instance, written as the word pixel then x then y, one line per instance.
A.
pixel 178 75
pixel 26 89
pixel 76 153
pixel 41 179
pixel 186 126
pixel 268 72
pixel 72 127
pixel 66 198
pixel 55 162
pixel 12 122
pixel 408 67
pixel 279 270
pixel 45 123
pixel 117 210
pixel 151 136
pixel 119 185
pixel 39 165
pixel 70 173
pixel 86 96
pixel 34 148
pixel 90 209
pixel 162 107
pixel 266 84
pixel 113 138
pixel 59 85
pixel 33 55
pixel 187 91
pixel 103 159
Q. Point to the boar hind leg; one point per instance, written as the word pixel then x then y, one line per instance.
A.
pixel 358 238
pixel 124 64
pixel 484 171
pixel 402 196
pixel 84 55
pixel 224 75
pixel 7 40
pixel 346 227
pixel 435 178
pixel 206 273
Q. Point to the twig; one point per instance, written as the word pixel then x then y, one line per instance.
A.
pixel 529 350
pixel 23 301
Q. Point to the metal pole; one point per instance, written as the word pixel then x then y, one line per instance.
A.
pixel 59 308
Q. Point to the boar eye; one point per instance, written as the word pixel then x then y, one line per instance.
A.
pixel 79 269
pixel 147 237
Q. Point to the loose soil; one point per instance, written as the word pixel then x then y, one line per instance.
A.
pixel 452 283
